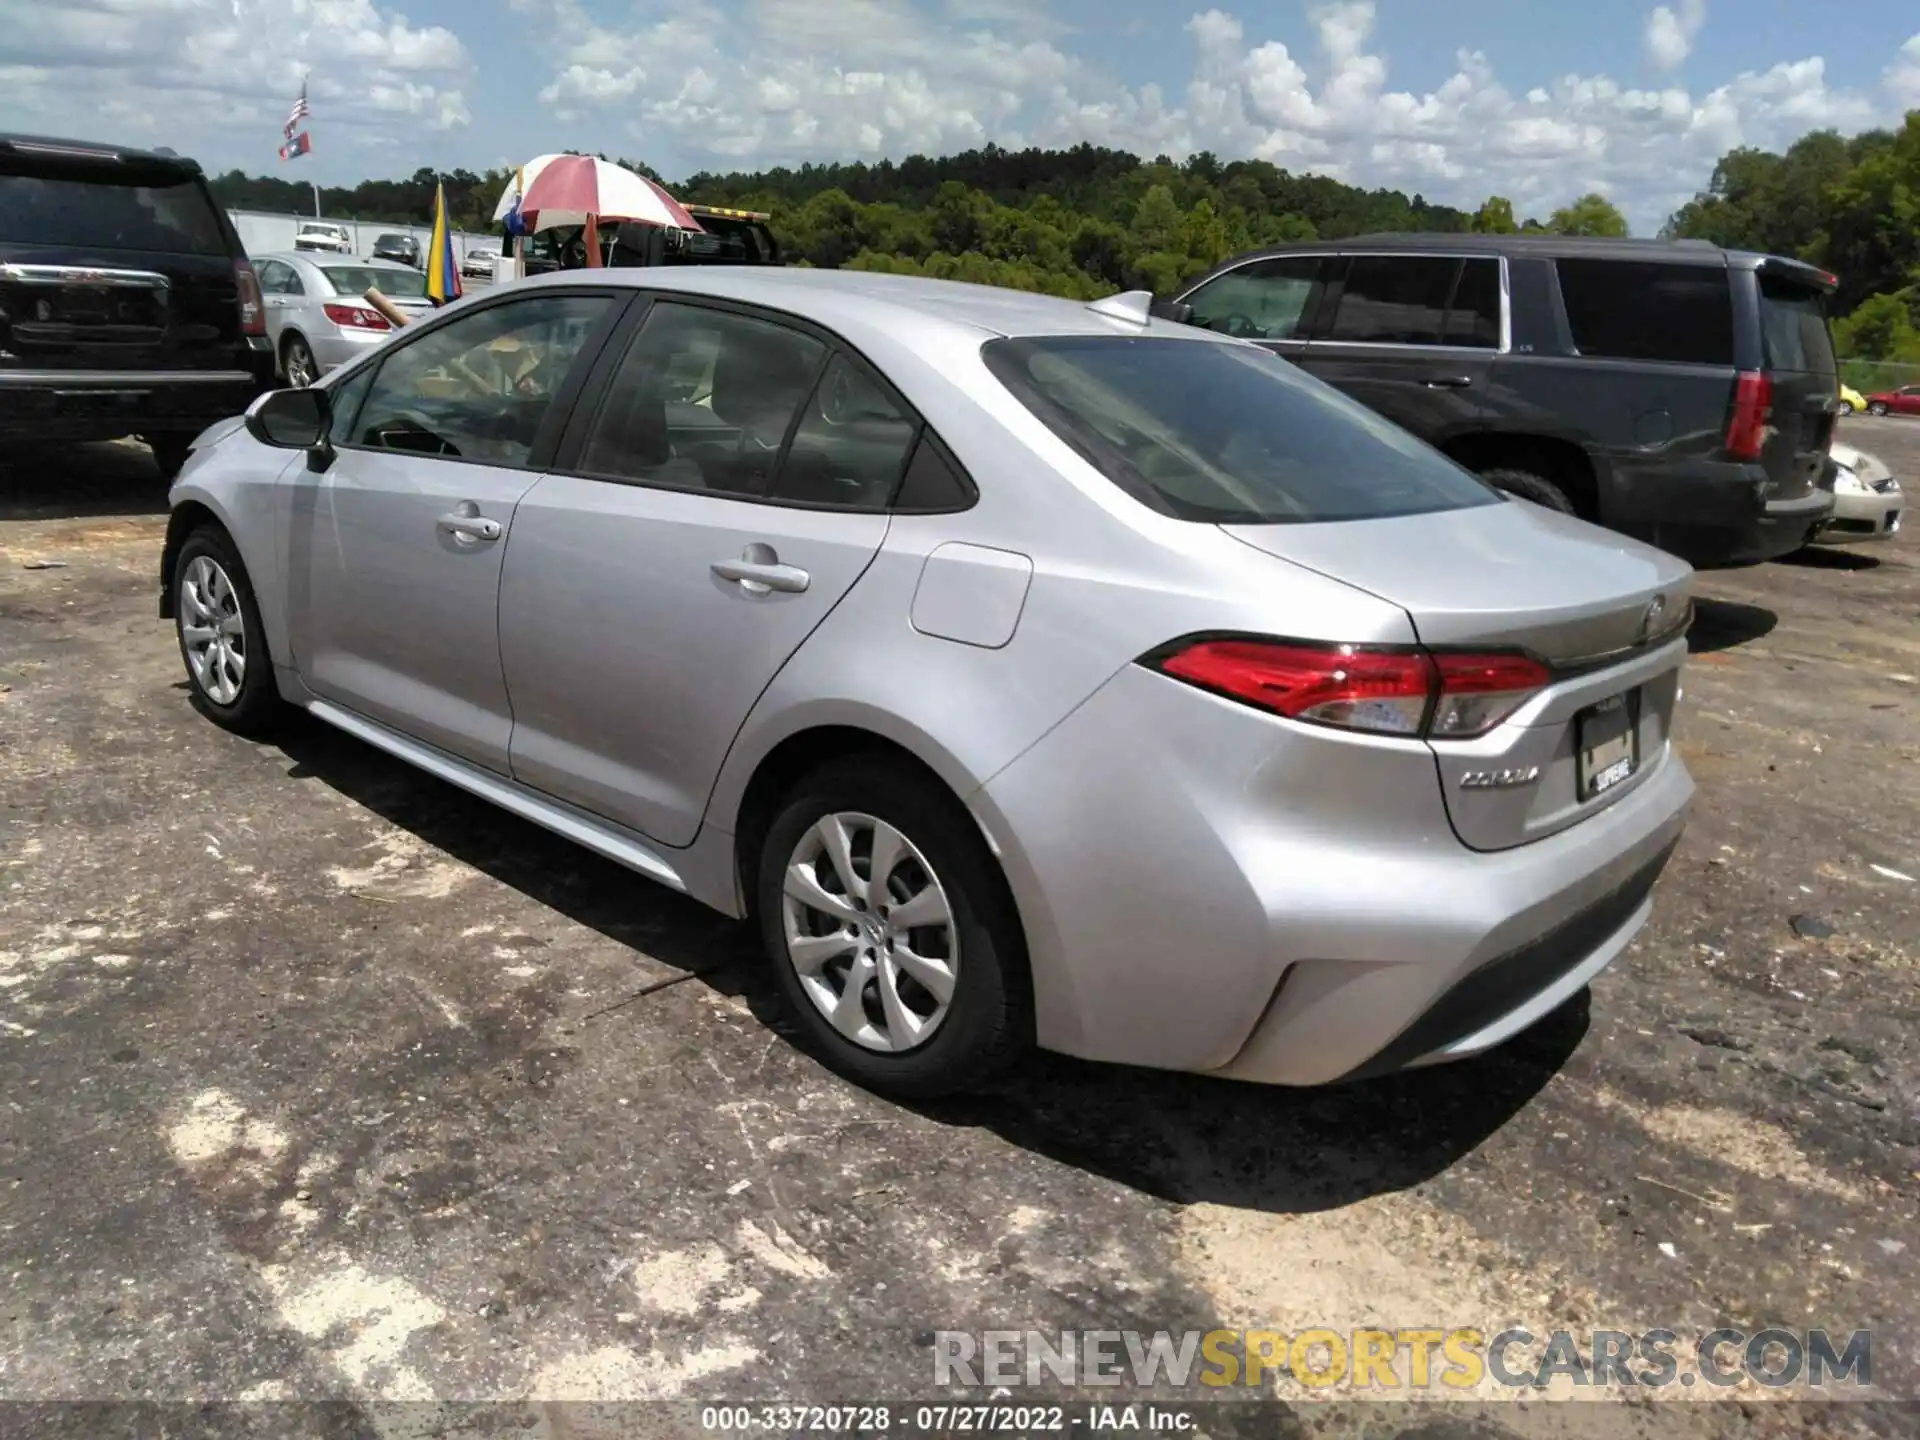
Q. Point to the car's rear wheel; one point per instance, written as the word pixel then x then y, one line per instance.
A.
pixel 222 642
pixel 1528 486
pixel 1846 407
pixel 1875 407
pixel 297 364
pixel 891 931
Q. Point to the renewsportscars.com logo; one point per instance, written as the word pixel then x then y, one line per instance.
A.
pixel 1458 1359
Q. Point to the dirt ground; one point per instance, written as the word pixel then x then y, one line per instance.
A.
pixel 320 1079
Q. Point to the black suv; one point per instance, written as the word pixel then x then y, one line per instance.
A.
pixel 1670 390
pixel 402 248
pixel 127 306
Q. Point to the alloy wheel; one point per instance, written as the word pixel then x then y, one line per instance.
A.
pixel 299 365
pixel 212 630
pixel 870 931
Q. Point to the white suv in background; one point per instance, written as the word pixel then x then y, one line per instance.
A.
pixel 319 235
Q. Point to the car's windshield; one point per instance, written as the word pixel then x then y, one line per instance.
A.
pixel 1227 434
pixel 358 279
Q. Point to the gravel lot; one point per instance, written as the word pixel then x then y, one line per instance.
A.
pixel 324 1080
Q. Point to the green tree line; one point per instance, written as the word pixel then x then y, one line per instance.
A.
pixel 1086 221
pixel 1081 222
pixel 1851 206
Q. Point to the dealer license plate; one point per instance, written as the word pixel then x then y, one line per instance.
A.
pixel 1608 743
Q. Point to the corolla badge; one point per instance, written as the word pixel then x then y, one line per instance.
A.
pixel 1499 779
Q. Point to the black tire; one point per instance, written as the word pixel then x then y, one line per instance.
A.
pixel 1528 486
pixel 169 453
pixel 1875 407
pixel 295 353
pixel 1846 407
pixel 988 1023
pixel 253 711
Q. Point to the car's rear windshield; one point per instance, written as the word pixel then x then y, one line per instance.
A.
pixel 358 279
pixel 1226 434
pixel 169 217
pixel 1793 324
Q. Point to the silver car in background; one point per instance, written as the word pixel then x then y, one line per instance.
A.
pixel 1867 499
pixel 1028 671
pixel 317 316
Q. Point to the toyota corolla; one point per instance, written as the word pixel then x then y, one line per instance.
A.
pixel 1029 672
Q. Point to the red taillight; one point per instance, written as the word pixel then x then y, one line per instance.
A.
pixel 357 317
pixel 1752 409
pixel 1446 695
pixel 253 311
pixel 1477 692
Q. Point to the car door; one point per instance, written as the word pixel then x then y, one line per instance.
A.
pixel 395 547
pixel 1270 300
pixel 729 487
pixel 1411 337
pixel 280 289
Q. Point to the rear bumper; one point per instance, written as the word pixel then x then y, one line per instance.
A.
pixel 106 404
pixel 1270 905
pixel 1712 514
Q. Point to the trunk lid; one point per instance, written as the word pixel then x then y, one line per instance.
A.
pixel 1597 608
pixel 1495 576
pixel 114 266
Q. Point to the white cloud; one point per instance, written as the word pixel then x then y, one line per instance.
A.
pixel 1670 33
pixel 1903 76
pixel 193 74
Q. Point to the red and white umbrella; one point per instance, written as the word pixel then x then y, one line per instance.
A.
pixel 563 190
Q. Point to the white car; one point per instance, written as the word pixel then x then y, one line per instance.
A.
pixel 477 264
pixel 321 235
pixel 1867 500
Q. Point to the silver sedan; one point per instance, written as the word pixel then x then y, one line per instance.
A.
pixel 317 314
pixel 1026 671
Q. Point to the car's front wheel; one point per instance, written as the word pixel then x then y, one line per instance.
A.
pixel 1875 407
pixel 1846 407
pixel 217 621
pixel 891 931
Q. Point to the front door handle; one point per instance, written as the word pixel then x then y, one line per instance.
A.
pixel 758 571
pixel 467 524
pixel 1450 382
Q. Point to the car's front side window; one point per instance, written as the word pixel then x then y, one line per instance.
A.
pixel 1263 300
pixel 479 387
pixel 702 400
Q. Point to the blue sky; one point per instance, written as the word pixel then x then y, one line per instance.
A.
pixel 1536 99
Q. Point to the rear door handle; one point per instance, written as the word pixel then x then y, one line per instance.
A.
pixel 1450 382
pixel 759 571
pixel 467 523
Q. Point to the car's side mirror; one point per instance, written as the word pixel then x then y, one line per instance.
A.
pixel 1172 310
pixel 290 419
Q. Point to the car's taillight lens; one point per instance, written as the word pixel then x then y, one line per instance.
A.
pixel 1382 690
pixel 357 317
pixel 1477 692
pixel 253 311
pixel 1752 409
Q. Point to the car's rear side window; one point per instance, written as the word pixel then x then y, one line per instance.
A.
pixel 1637 310
pixel 1418 300
pixel 1793 327
pixel 1226 434
pixel 172 218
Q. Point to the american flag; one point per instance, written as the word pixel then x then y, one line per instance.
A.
pixel 298 113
